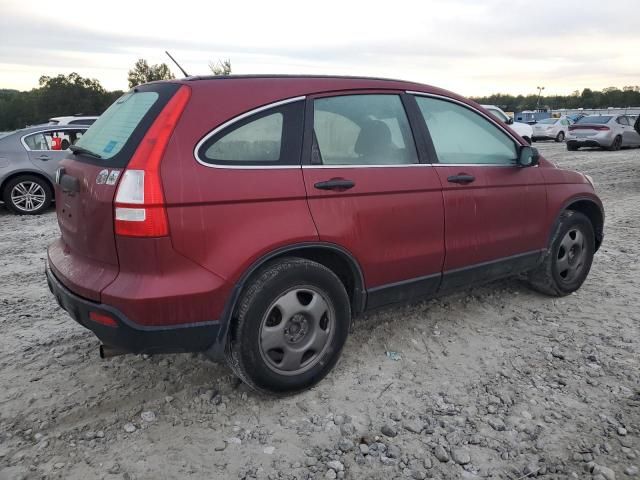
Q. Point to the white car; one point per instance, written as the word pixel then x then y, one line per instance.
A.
pixel 73 120
pixel 551 129
pixel 522 129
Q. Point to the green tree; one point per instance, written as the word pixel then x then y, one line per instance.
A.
pixel 142 72
pixel 221 67
pixel 57 96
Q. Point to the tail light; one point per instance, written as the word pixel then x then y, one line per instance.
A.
pixel 600 128
pixel 140 209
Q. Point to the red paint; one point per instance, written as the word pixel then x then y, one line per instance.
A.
pixel 398 223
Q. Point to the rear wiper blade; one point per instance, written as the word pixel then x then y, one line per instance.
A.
pixel 78 149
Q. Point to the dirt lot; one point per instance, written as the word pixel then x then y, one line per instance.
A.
pixel 497 382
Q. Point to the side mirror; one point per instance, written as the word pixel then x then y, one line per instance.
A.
pixel 509 121
pixel 528 156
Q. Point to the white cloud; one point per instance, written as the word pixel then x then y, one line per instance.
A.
pixel 466 46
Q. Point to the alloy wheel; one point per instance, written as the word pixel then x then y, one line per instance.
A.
pixel 296 330
pixel 28 196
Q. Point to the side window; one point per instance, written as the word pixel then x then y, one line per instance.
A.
pixel 36 142
pixel 460 135
pixel 271 137
pixel 564 122
pixel 622 121
pixel 53 140
pixel 362 130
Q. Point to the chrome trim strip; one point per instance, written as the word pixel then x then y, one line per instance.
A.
pixel 402 165
pixel 237 119
pixel 50 129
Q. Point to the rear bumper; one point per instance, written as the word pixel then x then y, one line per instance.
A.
pixel 585 143
pixel 129 336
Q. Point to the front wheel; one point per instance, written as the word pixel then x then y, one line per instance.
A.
pixel 571 147
pixel 27 195
pixel 289 328
pixel 569 259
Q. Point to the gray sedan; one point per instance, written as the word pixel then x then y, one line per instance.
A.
pixel 28 162
pixel 607 131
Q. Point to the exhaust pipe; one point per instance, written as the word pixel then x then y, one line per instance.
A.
pixel 107 352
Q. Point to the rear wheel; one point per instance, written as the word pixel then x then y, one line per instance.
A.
pixel 289 328
pixel 617 144
pixel 569 258
pixel 560 137
pixel 27 195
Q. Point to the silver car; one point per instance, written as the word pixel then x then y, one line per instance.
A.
pixel 607 131
pixel 28 162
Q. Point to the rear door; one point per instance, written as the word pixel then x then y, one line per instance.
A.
pixel 85 257
pixel 494 210
pixel 369 192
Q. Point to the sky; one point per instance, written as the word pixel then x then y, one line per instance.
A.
pixel 473 47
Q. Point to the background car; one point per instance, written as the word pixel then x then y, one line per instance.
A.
pixel 606 131
pixel 551 129
pixel 28 162
pixel 522 129
pixel 73 120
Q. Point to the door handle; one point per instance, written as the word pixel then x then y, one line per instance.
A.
pixel 462 178
pixel 44 157
pixel 339 184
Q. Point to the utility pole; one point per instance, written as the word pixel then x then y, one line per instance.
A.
pixel 539 93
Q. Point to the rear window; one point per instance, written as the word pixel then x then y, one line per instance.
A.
pixel 595 119
pixel 111 131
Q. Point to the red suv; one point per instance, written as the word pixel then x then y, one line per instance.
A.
pixel 253 217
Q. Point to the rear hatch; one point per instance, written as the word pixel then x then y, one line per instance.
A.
pixel 590 126
pixel 85 258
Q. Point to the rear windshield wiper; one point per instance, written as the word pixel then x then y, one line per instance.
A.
pixel 78 149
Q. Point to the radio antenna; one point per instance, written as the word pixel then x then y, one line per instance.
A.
pixel 177 64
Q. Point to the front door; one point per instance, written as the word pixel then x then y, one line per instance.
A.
pixel 369 192
pixel 494 209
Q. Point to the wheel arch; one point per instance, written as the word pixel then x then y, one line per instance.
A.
pixel 339 260
pixel 591 209
pixel 34 173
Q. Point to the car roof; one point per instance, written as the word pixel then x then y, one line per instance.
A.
pixel 295 85
pixel 44 128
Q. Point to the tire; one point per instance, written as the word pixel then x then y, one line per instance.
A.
pixel 560 137
pixel 573 240
pixel 571 147
pixel 289 327
pixel 27 195
pixel 616 145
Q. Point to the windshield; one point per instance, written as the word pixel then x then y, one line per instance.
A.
pixel 110 132
pixel 595 119
pixel 549 121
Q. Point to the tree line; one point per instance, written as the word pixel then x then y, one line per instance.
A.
pixel 609 97
pixel 72 94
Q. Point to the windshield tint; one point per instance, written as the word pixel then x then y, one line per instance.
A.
pixel 111 131
pixel 595 119
pixel 548 121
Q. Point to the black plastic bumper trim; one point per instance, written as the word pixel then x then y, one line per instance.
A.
pixel 129 336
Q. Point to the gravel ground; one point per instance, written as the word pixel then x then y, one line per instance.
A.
pixel 496 382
